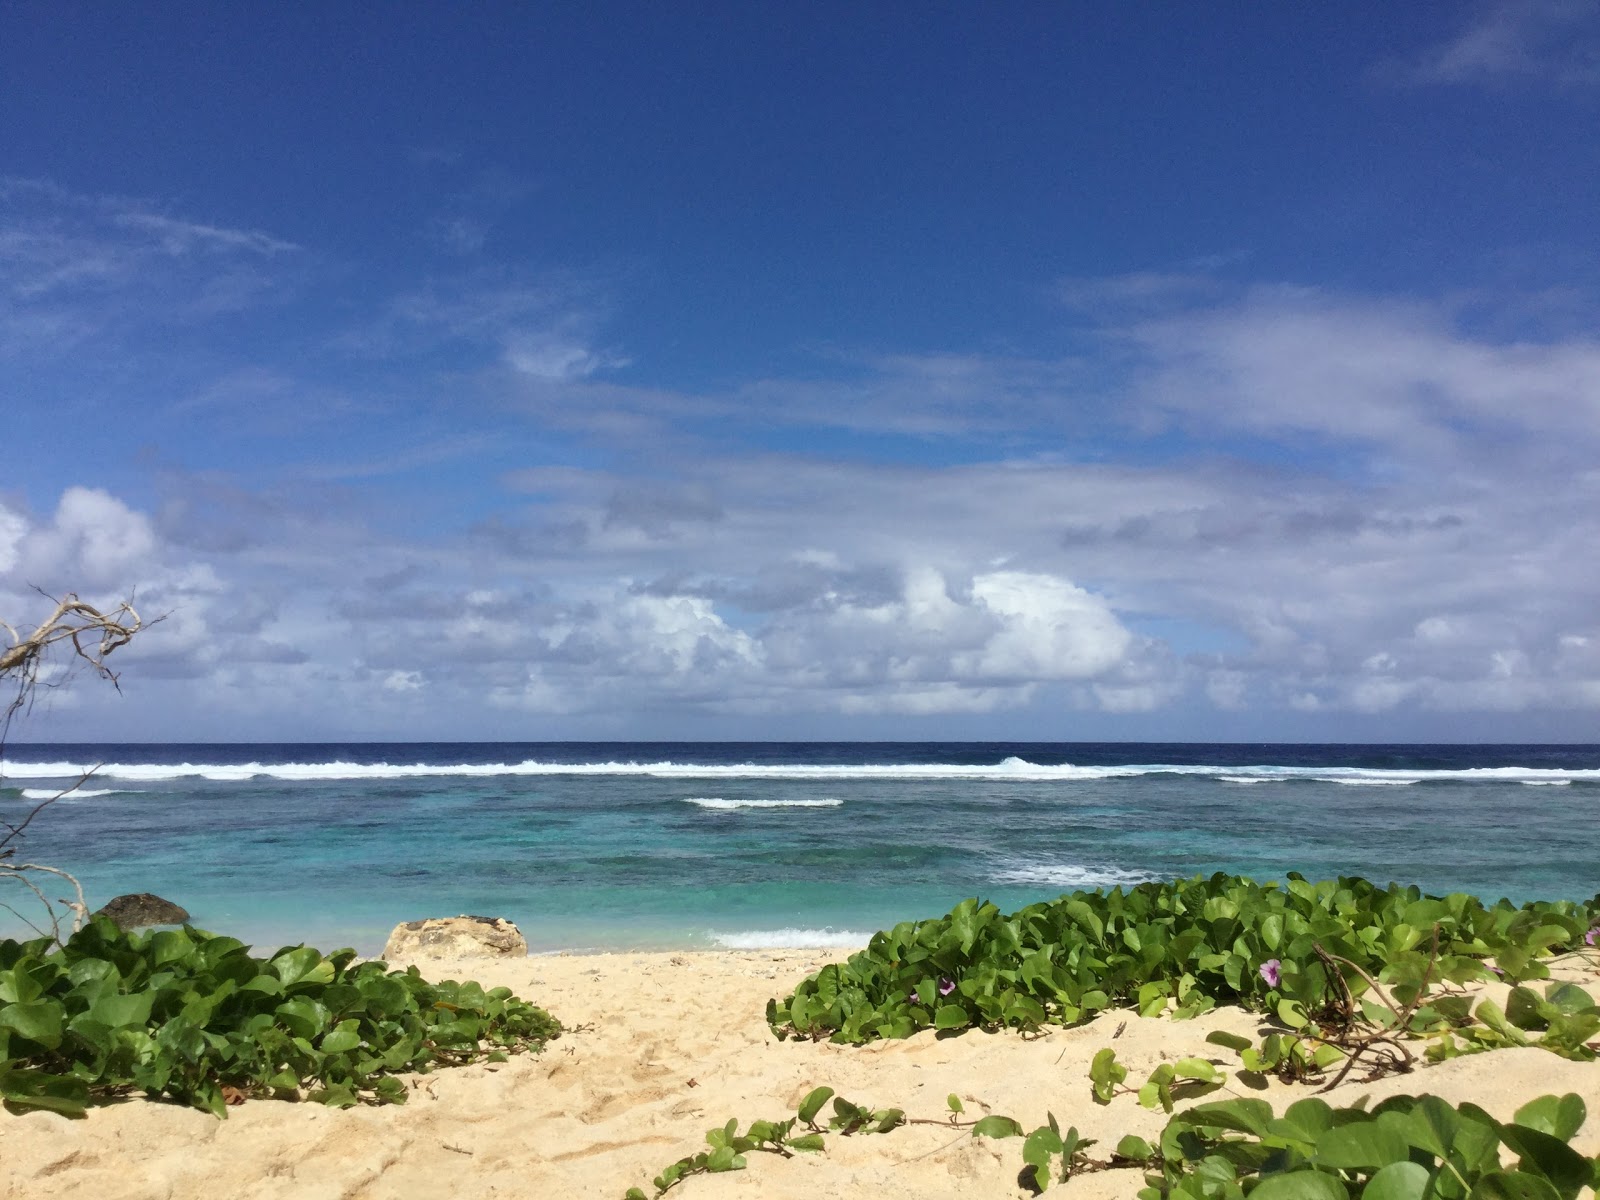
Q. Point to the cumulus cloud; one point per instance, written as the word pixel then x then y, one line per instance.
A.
pixel 1244 502
pixel 92 541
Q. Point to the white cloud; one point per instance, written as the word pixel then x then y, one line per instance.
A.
pixel 1396 376
pixel 1048 629
pixel 184 237
pixel 403 681
pixel 79 268
pixel 1416 538
pixel 549 355
pixel 1555 40
pixel 93 541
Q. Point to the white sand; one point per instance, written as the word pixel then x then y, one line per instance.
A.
pixel 670 1045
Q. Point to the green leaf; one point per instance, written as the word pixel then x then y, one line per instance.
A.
pixel 37 1020
pixel 1363 1147
pixel 1303 1184
pixel 1246 1116
pixel 1040 1145
pixel 1233 1041
pixel 117 1012
pixel 1398 1181
pixel 1197 1068
pixel 1540 1153
pixel 1491 1015
pixel 1135 1148
pixel 23 1088
pixel 725 1158
pixel 303 1016
pixel 1106 1075
pixel 1559 1116
pixel 996 1126
pixel 339 1041
pixel 1568 998
pixel 1433 1126
pixel 1524 1009
pixel 951 1016
pixel 812 1104
pixel 1302 1123
pixel 953 1102
pixel 1512 1185
pixel 1293 1014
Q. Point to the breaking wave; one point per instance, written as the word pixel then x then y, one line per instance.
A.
pixel 790 939
pixel 1067 876
pixel 1007 769
pixel 79 794
pixel 718 802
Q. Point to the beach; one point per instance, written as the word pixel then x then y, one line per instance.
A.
pixel 661 1047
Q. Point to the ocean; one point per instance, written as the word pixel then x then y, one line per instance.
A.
pixel 592 846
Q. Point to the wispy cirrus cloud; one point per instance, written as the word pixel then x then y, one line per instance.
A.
pixel 74 267
pixel 544 327
pixel 1554 41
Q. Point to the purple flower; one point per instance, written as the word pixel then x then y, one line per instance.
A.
pixel 946 985
pixel 1497 970
pixel 1588 938
pixel 1270 971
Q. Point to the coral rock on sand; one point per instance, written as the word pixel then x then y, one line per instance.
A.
pixel 454 937
pixel 138 909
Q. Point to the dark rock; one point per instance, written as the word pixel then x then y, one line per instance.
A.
pixel 138 909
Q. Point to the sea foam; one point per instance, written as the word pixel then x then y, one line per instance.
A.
pixel 1011 769
pixel 790 939
pixel 718 802
pixel 1068 876
pixel 76 794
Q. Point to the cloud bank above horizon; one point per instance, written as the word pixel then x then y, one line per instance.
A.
pixel 521 457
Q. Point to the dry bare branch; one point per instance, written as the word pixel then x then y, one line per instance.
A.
pixel 93 635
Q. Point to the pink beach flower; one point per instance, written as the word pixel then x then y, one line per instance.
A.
pixel 1271 971
pixel 946 985
pixel 1588 938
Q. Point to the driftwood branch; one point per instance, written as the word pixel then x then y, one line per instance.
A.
pixel 93 635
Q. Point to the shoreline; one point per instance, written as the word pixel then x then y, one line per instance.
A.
pixel 663 1045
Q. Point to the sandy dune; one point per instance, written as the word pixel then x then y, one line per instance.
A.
pixel 667 1046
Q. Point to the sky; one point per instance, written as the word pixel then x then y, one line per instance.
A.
pixel 830 371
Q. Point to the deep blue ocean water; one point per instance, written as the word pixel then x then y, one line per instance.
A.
pixel 590 845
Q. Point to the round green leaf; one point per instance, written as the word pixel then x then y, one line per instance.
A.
pixel 1398 1181
pixel 1300 1185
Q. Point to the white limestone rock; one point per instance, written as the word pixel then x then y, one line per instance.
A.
pixel 456 937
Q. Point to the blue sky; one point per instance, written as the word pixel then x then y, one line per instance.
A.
pixel 758 371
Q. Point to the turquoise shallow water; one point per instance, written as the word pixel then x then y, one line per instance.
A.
pixel 632 845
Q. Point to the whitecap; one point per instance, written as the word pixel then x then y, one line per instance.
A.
pixel 790 939
pixel 76 794
pixel 1011 769
pixel 1068 876
pixel 717 802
